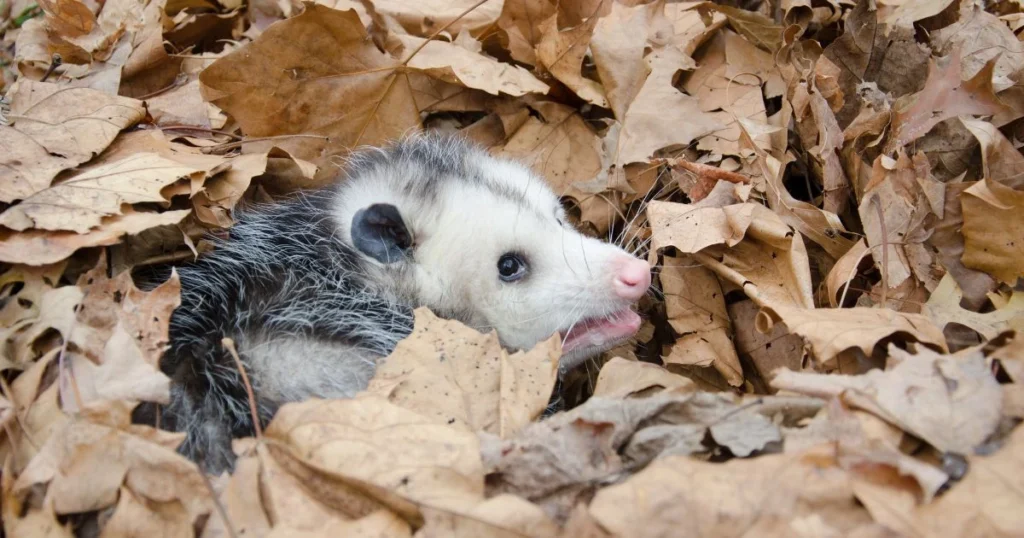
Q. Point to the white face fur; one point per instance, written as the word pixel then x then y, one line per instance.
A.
pixel 490 245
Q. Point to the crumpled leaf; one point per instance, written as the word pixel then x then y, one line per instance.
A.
pixel 562 459
pixel 951 401
pixel 621 378
pixel 461 377
pixel 829 331
pixel 279 85
pixel 37 247
pixel 454 64
pixel 994 230
pixel 56 128
pixel 88 461
pixel 745 244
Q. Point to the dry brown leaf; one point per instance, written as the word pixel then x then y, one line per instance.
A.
pixel 428 16
pixel 521 19
pixel 822 227
pixel 981 37
pixel 36 247
pixel 561 52
pixel 80 203
pixel 124 374
pixel 695 306
pixel 454 64
pixel 829 331
pixel 368 440
pixel 279 85
pixel 561 460
pixel 745 244
pixel 559 146
pixel 621 378
pixel 943 307
pixel 57 128
pixel 618 48
pixel 462 377
pixel 948 241
pixel 841 275
pixel 661 116
pixel 944 96
pixel 951 401
pixel 994 230
pixel 767 496
pixel 686 28
pixel 21 519
pixel 898 200
pixel 757 28
pixel 86 463
pixel 767 352
pixel 986 502
pixel 871 52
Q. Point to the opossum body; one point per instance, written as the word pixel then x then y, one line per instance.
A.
pixel 316 290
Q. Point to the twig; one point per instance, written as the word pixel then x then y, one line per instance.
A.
pixel 229 344
pixel 885 251
pixel 228 146
pixel 56 62
pixel 179 80
pixel 199 129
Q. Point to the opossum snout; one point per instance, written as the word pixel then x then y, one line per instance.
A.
pixel 631 277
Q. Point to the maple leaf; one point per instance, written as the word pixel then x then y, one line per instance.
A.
pixel 333 83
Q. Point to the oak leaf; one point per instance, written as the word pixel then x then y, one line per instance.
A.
pixel 561 52
pixel 943 307
pixel 994 230
pixel 618 48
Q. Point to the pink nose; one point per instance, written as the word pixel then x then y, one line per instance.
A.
pixel 632 277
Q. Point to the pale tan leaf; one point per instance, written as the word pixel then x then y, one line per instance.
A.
pixel 459 376
pixel 80 203
pixel 37 247
pixel 830 331
pixel 661 116
pixel 521 19
pixel 621 378
pixel 562 52
pixel 618 48
pixel 124 374
pixel 943 307
pixel 766 496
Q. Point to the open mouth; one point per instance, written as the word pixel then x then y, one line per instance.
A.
pixel 594 335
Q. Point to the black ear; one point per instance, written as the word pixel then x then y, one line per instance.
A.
pixel 379 232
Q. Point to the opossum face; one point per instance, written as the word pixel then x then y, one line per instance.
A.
pixel 487 242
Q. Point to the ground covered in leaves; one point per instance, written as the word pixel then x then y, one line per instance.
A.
pixel 830 193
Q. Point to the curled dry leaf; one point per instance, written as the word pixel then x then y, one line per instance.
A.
pixel 994 230
pixel 56 128
pixel 332 90
pixel 561 460
pixel 829 331
pixel 618 48
pixel 454 64
pixel 460 376
pixel 621 378
pixel 951 401
pixel 745 244
pixel 986 502
pixel 368 440
pixel 37 247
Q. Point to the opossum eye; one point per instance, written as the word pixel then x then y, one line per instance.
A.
pixel 379 232
pixel 511 267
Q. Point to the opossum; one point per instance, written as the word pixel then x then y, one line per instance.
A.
pixel 315 290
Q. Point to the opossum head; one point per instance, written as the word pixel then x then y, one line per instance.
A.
pixel 484 240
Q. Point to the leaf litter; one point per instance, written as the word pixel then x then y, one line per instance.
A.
pixel 829 194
